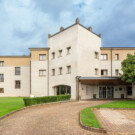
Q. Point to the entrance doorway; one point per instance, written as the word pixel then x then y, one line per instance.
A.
pixel 106 92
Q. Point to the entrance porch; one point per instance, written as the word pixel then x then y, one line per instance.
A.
pixel 104 88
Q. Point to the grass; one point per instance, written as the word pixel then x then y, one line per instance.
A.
pixel 10 104
pixel 118 104
pixel 89 118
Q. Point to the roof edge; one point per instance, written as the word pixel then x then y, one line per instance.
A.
pixel 116 48
pixel 38 49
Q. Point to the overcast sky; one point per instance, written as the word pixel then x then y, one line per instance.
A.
pixel 26 23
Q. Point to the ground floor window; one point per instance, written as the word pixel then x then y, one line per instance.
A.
pixel 63 90
pixel 129 90
pixel 1 90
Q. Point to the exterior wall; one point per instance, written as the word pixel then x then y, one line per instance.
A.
pixel 61 41
pixel 39 84
pixel 88 44
pixel 87 91
pixel 9 81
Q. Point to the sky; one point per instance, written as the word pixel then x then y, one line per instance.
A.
pixel 26 23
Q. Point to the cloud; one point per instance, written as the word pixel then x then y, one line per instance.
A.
pixel 26 23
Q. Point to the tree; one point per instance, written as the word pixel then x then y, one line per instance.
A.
pixel 128 68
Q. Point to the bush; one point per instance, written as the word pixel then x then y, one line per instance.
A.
pixel 39 100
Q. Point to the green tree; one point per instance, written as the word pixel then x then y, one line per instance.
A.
pixel 128 68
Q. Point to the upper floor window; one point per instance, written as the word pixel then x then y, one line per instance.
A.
pixel 1 63
pixel 96 71
pixel 96 55
pixel 1 90
pixel 68 50
pixel 104 57
pixel 60 53
pixel 68 69
pixel 17 70
pixel 53 72
pixel 116 72
pixel 42 57
pixel 42 72
pixel 1 77
pixel 116 56
pixel 60 71
pixel 104 72
pixel 17 84
pixel 53 55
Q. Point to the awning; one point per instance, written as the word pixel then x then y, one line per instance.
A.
pixel 102 81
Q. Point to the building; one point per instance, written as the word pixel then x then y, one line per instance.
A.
pixel 74 63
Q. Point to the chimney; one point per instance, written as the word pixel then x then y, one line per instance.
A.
pixel 77 21
pixel 90 29
pixel 49 35
pixel 61 29
pixel 99 35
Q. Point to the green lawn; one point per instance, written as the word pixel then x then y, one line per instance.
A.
pixel 89 119
pixel 9 104
pixel 118 104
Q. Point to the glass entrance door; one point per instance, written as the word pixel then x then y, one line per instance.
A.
pixel 106 92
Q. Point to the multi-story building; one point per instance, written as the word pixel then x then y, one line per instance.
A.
pixel 74 63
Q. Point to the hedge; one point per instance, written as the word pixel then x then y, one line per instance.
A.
pixel 39 100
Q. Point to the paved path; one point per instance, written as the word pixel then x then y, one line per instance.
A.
pixel 54 119
pixel 117 121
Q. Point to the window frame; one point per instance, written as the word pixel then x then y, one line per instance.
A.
pixel 60 70
pixel 1 89
pixel 53 55
pixel 60 53
pixel 103 72
pixel 43 57
pixel 68 71
pixel 2 79
pixel 1 65
pixel 42 70
pixel 17 71
pixel 117 72
pixel 131 91
pixel 96 71
pixel 68 52
pixel 103 56
pixel 53 72
pixel 96 55
pixel 16 84
pixel 117 56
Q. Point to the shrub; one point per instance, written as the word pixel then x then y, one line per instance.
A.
pixel 39 100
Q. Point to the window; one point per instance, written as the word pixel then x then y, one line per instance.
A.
pixel 68 69
pixel 96 71
pixel 104 72
pixel 1 63
pixel 18 84
pixel 60 53
pixel 116 56
pixel 1 77
pixel 96 55
pixel 42 57
pixel 104 57
pixel 17 70
pixel 42 72
pixel 53 55
pixel 1 90
pixel 68 50
pixel 53 72
pixel 116 72
pixel 129 90
pixel 60 71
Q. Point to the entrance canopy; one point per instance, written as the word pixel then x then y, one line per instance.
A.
pixel 102 81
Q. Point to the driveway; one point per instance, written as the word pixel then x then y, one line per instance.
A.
pixel 52 119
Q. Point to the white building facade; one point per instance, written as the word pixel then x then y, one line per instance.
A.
pixel 74 63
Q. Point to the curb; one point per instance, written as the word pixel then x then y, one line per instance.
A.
pixel 114 108
pixel 5 116
pixel 99 130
